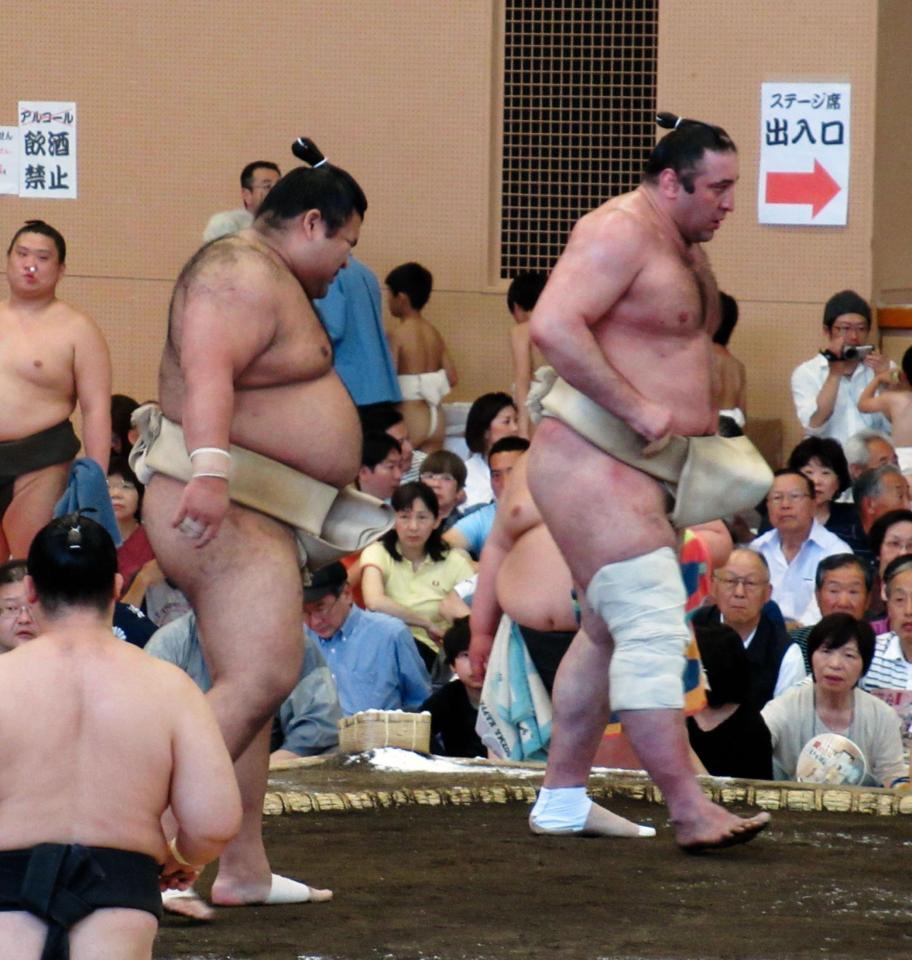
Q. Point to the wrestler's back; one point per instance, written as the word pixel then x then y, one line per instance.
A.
pixel 86 751
pixel 418 347
pixel 289 404
pixel 727 379
pixel 37 383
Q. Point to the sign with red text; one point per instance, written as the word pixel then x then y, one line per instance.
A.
pixel 9 160
pixel 804 153
pixel 47 149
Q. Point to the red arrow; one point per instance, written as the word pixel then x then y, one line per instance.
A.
pixel 817 188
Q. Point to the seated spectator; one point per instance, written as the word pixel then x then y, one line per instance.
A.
pixel 740 591
pixel 890 537
pixel 126 494
pixel 123 433
pixel 257 179
pixel 17 621
pixel 491 417
pixel 729 380
pixel 841 649
pixel 827 387
pixel 522 295
pixel 795 545
pixel 842 585
pixel 823 462
pixel 307 722
pixel 410 569
pixel 381 465
pixel 876 492
pixel 445 473
pixel 454 707
pixel 891 668
pixel 471 532
pixel 424 367
pixel 890 393
pixel 385 418
pixel 372 656
pixel 728 735
pixel 868 450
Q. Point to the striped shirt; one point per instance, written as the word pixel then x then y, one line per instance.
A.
pixel 889 669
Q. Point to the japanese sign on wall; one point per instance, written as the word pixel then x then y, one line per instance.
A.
pixel 47 149
pixel 804 153
pixel 9 159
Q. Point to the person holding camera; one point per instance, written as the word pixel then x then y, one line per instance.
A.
pixel 826 388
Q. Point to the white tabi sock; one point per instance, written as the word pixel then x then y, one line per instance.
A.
pixel 563 808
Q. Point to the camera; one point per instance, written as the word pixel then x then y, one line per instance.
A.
pixel 849 353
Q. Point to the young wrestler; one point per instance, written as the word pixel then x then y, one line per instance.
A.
pixel 890 393
pixel 426 371
pixel 98 741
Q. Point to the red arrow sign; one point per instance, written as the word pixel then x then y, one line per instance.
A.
pixel 817 188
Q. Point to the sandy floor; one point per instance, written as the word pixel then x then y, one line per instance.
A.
pixel 471 883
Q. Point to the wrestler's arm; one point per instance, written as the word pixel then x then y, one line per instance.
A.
pixel 449 367
pixel 486 611
pixel 204 795
pixel 92 376
pixel 870 402
pixel 522 373
pixel 605 253
pixel 742 386
pixel 228 320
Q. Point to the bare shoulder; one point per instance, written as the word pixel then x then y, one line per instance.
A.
pixel 231 265
pixel 612 232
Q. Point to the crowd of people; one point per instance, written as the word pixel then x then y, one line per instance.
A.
pixel 302 569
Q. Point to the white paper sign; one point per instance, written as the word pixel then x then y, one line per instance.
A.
pixel 804 153
pixel 9 160
pixel 47 149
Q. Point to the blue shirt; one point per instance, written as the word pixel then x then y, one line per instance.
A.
pixel 353 321
pixel 475 527
pixel 375 663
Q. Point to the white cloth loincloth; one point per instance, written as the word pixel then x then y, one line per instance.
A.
pixel 430 387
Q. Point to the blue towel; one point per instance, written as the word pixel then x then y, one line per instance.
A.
pixel 87 489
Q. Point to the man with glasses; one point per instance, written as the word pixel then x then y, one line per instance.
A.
pixel 826 388
pixel 257 179
pixel 741 589
pixel 795 545
pixel 17 625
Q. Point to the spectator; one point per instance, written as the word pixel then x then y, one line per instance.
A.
pixel 842 585
pixel 381 465
pixel 410 569
pixel 123 433
pixel 385 418
pixel 126 494
pixel 17 620
pixel 454 707
pixel 425 370
pixel 821 460
pixel 729 380
pixel 445 473
pixel 728 735
pixel 826 388
pixel 876 492
pixel 795 545
pixel 372 656
pixel 868 450
pixel 841 649
pixel 491 417
pixel 257 179
pixel 741 589
pixel 522 295
pixel 891 668
pixel 890 537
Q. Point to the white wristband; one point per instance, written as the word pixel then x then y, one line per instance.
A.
pixel 219 450
pixel 210 473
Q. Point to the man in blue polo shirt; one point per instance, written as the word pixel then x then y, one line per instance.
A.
pixel 372 656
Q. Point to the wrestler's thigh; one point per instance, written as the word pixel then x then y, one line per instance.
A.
pixel 21 934
pixel 114 934
pixel 598 510
pixel 245 586
pixel 34 497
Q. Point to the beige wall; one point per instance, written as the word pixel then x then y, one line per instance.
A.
pixel 174 98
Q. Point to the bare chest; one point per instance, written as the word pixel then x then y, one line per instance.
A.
pixel 36 350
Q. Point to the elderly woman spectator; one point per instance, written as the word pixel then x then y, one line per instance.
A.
pixel 491 416
pixel 890 537
pixel 891 668
pixel 841 650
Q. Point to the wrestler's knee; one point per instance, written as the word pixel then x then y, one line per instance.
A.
pixel 642 603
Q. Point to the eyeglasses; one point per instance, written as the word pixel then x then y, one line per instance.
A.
pixel 121 485
pixel 323 611
pixel 10 608
pixel 730 583
pixel 843 328
pixel 780 498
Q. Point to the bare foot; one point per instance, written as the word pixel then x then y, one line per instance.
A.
pixel 278 890
pixel 187 903
pixel 713 827
pixel 599 823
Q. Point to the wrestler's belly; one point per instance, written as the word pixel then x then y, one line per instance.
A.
pixel 534 584
pixel 311 426
pixel 25 410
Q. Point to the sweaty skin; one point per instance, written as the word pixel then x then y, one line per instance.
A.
pixel 53 357
pixel 624 319
pixel 729 381
pixel 247 361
